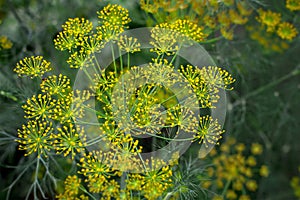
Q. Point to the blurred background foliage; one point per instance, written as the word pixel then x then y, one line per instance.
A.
pixel 263 108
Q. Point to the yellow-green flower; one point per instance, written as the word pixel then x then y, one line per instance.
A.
pixel 269 18
pixel 293 5
pixel 209 131
pixel 264 171
pixel 80 59
pixel 56 85
pixel 32 67
pixel 69 140
pixel 157 179
pixel 111 189
pixel 96 164
pixel 73 30
pixel 114 15
pixel 35 137
pixel 232 168
pixel 128 44
pixel 286 31
pixel 256 149
pixel 188 30
pixel 217 77
pixel 72 189
pixel 164 40
pixel 135 182
pixel 39 106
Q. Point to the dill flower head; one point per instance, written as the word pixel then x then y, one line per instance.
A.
pixel 96 164
pixel 72 189
pixel 39 106
pixel 135 182
pixel 188 30
pixel 56 85
pixel 206 95
pixel 269 18
pixel 286 31
pixel 157 179
pixel 80 59
pixel 128 44
pixel 164 40
pixel 217 77
pixel 78 26
pixel 111 189
pixel 126 150
pixel 234 170
pixel 209 131
pixel 32 67
pixel 72 184
pixel 293 5
pixel 256 149
pixel 73 29
pixel 69 140
pixel 236 18
pixel 95 185
pixel 35 137
pixel 70 107
pixel 114 16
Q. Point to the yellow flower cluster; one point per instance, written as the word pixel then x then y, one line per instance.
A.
pixel 187 29
pixel 69 140
pixel 73 31
pixel 272 21
pixel 211 16
pixel 233 172
pixel 32 67
pixel 72 189
pixel 269 18
pixel 39 106
pixel 113 16
pixel 209 131
pixel 97 168
pixel 206 82
pixel 128 44
pixel 286 31
pixel 35 137
pixel 293 5
pixel 113 21
pixel 164 40
pixel 267 40
pixel 56 85
pixel 5 43
pixel 151 102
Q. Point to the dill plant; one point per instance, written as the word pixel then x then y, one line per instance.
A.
pixel 129 102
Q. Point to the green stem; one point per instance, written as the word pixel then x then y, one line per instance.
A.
pixel 85 191
pixel 113 57
pixel 226 188
pixel 212 40
pixel 295 72
pixel 281 79
pixel 169 194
